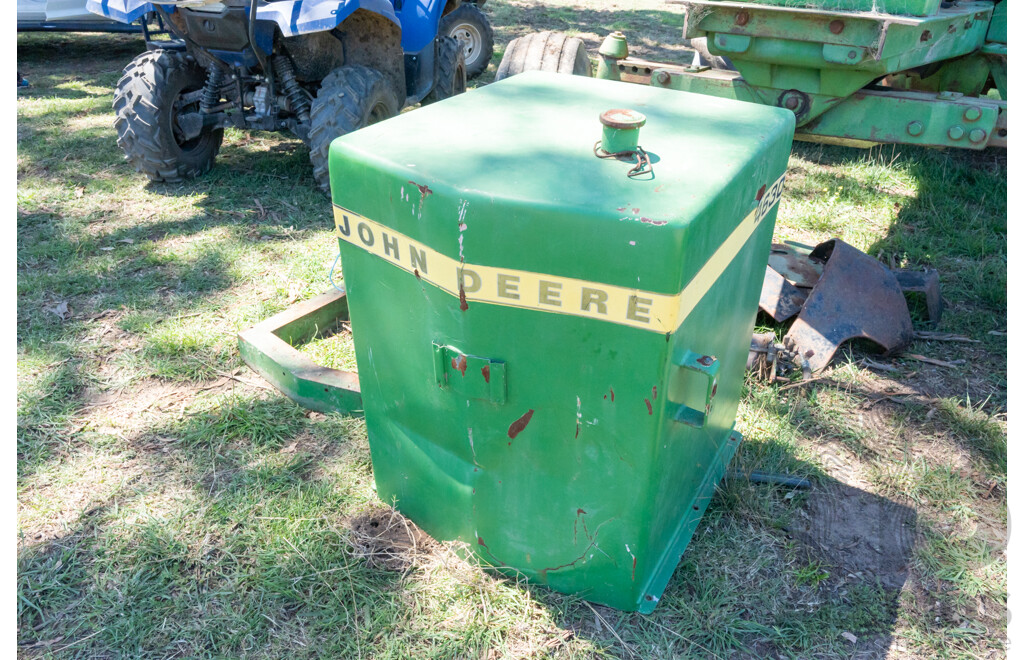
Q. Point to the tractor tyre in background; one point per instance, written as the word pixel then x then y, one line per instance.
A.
pixel 545 51
pixel 470 26
pixel 451 71
pixel 350 97
pixel 146 105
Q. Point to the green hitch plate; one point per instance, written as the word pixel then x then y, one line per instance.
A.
pixel 268 348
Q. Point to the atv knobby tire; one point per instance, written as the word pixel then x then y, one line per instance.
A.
pixel 545 51
pixel 350 98
pixel 145 103
pixel 469 25
pixel 451 71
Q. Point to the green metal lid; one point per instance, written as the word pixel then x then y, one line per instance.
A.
pixel 526 146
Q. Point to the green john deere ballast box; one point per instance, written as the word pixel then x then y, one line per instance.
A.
pixel 551 352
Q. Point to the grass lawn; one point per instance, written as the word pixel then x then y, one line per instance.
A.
pixel 171 504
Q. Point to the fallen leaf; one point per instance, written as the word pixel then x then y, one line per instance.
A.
pixel 79 192
pixel 294 289
pixel 125 240
pixel 290 449
pixel 60 310
pixel 850 636
pixel 106 249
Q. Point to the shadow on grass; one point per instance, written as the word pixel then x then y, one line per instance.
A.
pixel 651 34
pixel 232 538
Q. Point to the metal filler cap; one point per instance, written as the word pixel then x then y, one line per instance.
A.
pixel 621 130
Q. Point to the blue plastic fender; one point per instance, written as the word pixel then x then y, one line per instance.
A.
pixel 419 20
pixel 292 18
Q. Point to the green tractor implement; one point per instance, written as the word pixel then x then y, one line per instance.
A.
pixel 853 72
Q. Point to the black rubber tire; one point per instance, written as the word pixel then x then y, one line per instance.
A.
pixel 350 97
pixel 451 71
pixel 545 51
pixel 144 108
pixel 469 25
pixel 700 44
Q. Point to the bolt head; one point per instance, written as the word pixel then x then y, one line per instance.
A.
pixel 915 128
pixel 742 18
pixel 977 135
pixel 792 102
pixel 835 27
pixel 955 133
pixel 972 114
pixel 664 77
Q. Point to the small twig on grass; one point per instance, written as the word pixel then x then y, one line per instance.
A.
pixel 609 627
pixel 871 364
pixel 177 318
pixel 245 382
pixel 871 403
pixel 75 643
pixel 802 382
pixel 684 638
pixel 938 363
pixel 944 336
pixel 255 173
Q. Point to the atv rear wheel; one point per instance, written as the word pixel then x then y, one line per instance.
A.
pixel 469 25
pixel 544 51
pixel 451 71
pixel 350 98
pixel 147 102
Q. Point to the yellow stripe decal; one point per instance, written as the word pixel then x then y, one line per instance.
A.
pixel 476 283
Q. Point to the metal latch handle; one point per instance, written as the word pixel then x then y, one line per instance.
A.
pixel 471 376
pixel 707 365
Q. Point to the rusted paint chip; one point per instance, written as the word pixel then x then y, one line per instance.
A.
pixel 486 371
pixel 424 190
pixel 517 426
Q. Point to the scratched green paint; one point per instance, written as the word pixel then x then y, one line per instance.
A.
pixel 567 466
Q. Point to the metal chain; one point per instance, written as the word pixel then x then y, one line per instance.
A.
pixel 643 161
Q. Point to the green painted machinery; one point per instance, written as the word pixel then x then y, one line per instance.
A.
pixel 551 336
pixel 855 72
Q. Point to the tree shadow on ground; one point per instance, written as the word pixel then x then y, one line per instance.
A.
pixel 228 520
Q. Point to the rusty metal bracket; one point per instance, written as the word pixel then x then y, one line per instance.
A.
pixel 856 296
pixel 268 348
pixel 926 282
pixel 788 280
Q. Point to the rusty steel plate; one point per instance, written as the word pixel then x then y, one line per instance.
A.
pixel 856 296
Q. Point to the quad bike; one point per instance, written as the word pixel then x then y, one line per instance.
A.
pixel 470 26
pixel 316 68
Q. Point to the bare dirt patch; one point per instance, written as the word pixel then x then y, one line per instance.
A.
pixel 860 532
pixel 387 539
